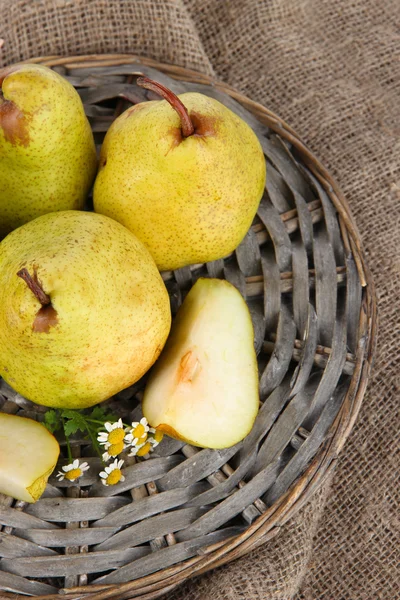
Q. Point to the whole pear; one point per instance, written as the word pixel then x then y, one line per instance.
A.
pixel 84 312
pixel 204 387
pixel 28 455
pixel 184 174
pixel 47 152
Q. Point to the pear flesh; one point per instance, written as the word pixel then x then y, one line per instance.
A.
pixel 188 199
pixel 48 156
pixel 100 321
pixel 28 455
pixel 204 388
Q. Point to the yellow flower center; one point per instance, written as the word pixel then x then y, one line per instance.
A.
pixel 114 477
pixel 139 431
pixel 158 436
pixel 144 449
pixel 142 440
pixel 73 474
pixel 116 436
pixel 115 449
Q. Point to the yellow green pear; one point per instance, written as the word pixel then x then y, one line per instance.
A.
pixel 47 152
pixel 84 312
pixel 204 387
pixel 28 455
pixel 184 174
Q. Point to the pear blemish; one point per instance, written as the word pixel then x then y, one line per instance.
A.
pixel 13 122
pixel 47 315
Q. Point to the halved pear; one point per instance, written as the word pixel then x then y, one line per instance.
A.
pixel 204 388
pixel 28 455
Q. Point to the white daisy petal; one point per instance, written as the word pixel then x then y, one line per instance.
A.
pixel 104 482
pixel 108 426
pixel 122 478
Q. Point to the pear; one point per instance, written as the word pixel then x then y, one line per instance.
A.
pixel 28 455
pixel 184 174
pixel 47 152
pixel 84 312
pixel 204 388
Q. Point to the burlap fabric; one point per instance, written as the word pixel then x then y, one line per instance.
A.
pixel 332 70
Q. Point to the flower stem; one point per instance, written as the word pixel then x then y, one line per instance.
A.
pixel 68 444
pixel 94 421
pixel 102 422
pixel 94 443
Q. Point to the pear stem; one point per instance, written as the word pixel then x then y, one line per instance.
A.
pixel 158 88
pixel 35 287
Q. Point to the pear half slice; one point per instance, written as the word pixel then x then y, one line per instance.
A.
pixel 204 387
pixel 28 455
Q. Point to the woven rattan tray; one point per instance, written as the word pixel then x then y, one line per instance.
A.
pixel 185 510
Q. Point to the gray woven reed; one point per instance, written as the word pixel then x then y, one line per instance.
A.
pixel 185 510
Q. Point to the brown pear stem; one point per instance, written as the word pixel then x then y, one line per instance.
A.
pixel 154 86
pixel 35 287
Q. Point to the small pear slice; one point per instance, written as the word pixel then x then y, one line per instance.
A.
pixel 28 455
pixel 204 388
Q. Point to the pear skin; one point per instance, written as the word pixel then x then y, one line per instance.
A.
pixel 84 312
pixel 28 455
pixel 188 199
pixel 47 152
pixel 204 388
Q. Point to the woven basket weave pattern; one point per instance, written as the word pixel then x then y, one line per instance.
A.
pixel 302 273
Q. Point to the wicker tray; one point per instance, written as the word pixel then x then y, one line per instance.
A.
pixel 302 272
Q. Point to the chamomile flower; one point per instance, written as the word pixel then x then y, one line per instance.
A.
pixel 72 471
pixel 138 432
pixel 141 450
pixel 112 474
pixel 114 434
pixel 113 450
pixel 156 438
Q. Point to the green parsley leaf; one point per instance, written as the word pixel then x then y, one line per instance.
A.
pixel 52 420
pixel 74 421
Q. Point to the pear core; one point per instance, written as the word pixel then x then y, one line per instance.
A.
pixel 204 388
